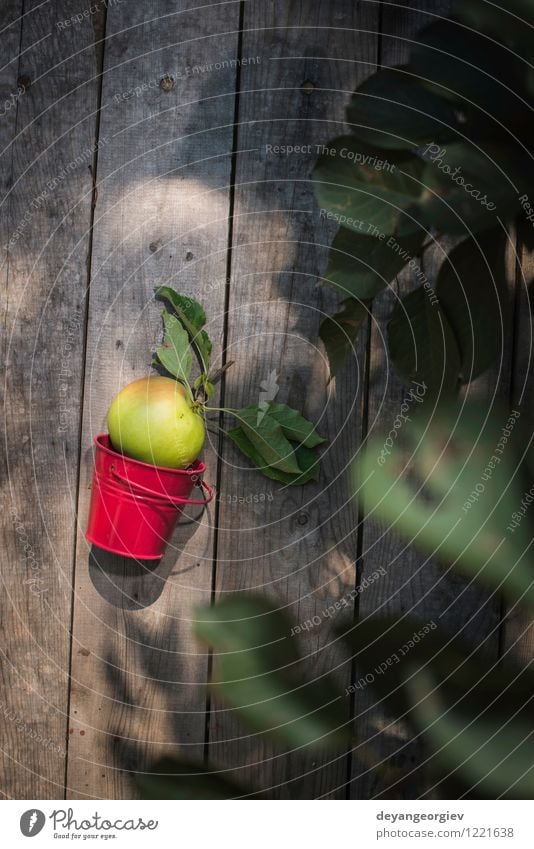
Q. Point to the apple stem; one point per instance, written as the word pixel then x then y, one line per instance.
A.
pixel 217 431
pixel 220 410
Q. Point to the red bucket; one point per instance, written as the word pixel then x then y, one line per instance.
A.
pixel 135 505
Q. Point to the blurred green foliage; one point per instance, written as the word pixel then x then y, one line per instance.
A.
pixel 450 484
pixel 438 147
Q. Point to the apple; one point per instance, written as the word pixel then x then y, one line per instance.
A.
pixel 153 420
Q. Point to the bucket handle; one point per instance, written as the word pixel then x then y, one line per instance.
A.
pixel 178 499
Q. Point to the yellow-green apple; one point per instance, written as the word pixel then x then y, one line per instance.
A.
pixel 153 420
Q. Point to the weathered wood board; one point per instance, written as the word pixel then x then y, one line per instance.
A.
pixel 162 216
pixel 298 545
pixel 203 183
pixel 48 137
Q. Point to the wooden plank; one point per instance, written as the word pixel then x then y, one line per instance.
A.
pixel 161 217
pixel 12 749
pixel 298 544
pixel 517 638
pixel 385 761
pixel 45 223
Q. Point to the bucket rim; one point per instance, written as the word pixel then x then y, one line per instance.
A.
pixel 196 468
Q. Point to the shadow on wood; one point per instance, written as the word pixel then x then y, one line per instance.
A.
pixel 133 584
pixel 154 701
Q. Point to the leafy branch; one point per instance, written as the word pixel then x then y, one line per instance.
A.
pixel 278 440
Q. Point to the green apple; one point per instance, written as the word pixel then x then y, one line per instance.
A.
pixel 152 420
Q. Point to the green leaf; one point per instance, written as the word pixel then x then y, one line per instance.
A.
pixel 367 190
pixel 457 494
pixel 205 346
pixel 263 436
pixel 393 109
pixel 171 778
pixel 294 426
pixel 175 353
pixel 361 266
pixel 309 462
pixel 190 311
pixel 268 439
pixel 193 318
pixel 471 288
pixel 421 343
pixel 203 383
pixel 306 458
pixel 258 671
pixel 246 447
pixel 338 333
pixel 466 189
pixel 474 714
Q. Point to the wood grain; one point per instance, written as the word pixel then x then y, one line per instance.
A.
pixel 299 546
pixel 192 184
pixel 138 676
pixel 47 144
